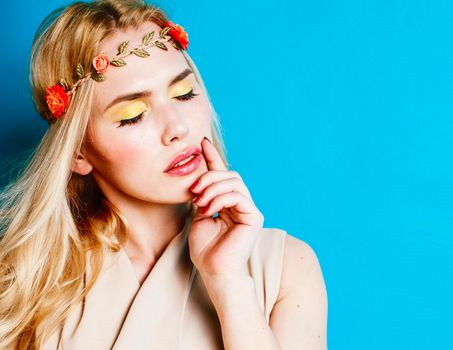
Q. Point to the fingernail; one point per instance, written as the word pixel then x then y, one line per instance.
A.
pixel 195 184
pixel 196 200
pixel 208 140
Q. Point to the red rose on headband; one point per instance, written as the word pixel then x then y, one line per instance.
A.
pixel 101 63
pixel 178 34
pixel 57 100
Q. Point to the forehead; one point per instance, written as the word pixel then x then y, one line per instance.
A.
pixel 139 73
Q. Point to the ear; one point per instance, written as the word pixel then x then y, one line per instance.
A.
pixel 81 165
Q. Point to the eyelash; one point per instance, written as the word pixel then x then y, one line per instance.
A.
pixel 190 95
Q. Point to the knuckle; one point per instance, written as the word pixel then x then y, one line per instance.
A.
pixel 243 196
pixel 260 218
pixel 237 180
pixel 235 174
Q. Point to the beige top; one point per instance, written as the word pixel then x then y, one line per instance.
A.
pixel 171 309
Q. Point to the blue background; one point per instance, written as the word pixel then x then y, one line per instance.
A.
pixel 338 116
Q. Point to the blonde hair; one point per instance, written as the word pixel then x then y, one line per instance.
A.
pixel 51 217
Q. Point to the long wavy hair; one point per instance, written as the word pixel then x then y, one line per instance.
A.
pixel 53 222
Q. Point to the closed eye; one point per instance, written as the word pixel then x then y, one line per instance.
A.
pixel 188 96
pixel 132 121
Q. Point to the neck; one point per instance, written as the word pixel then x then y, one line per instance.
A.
pixel 152 227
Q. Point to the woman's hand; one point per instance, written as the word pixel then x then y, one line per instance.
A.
pixel 221 246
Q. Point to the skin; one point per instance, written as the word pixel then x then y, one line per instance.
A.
pixel 128 164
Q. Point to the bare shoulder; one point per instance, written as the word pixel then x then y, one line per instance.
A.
pixel 299 316
pixel 300 267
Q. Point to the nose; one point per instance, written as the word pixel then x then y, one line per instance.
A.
pixel 174 124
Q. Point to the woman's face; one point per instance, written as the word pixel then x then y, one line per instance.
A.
pixel 128 156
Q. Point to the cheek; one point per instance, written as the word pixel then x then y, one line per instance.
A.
pixel 124 151
pixel 202 112
pixel 113 151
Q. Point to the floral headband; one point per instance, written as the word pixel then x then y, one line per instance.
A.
pixel 57 96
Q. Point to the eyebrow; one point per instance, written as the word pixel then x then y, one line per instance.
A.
pixel 139 94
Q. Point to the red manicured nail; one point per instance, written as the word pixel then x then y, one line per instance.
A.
pixel 196 200
pixel 208 140
pixel 195 184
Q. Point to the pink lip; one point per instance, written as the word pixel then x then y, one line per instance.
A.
pixel 187 168
pixel 195 150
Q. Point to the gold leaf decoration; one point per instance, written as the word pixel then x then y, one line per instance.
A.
pixel 123 47
pixel 97 77
pixel 64 83
pixel 147 38
pixel 117 62
pixel 164 31
pixel 161 45
pixel 80 71
pixel 140 52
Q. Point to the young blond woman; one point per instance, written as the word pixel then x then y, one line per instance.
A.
pixel 106 244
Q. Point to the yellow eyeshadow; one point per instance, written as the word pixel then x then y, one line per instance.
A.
pixel 181 89
pixel 129 111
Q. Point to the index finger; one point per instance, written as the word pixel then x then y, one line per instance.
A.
pixel 212 156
